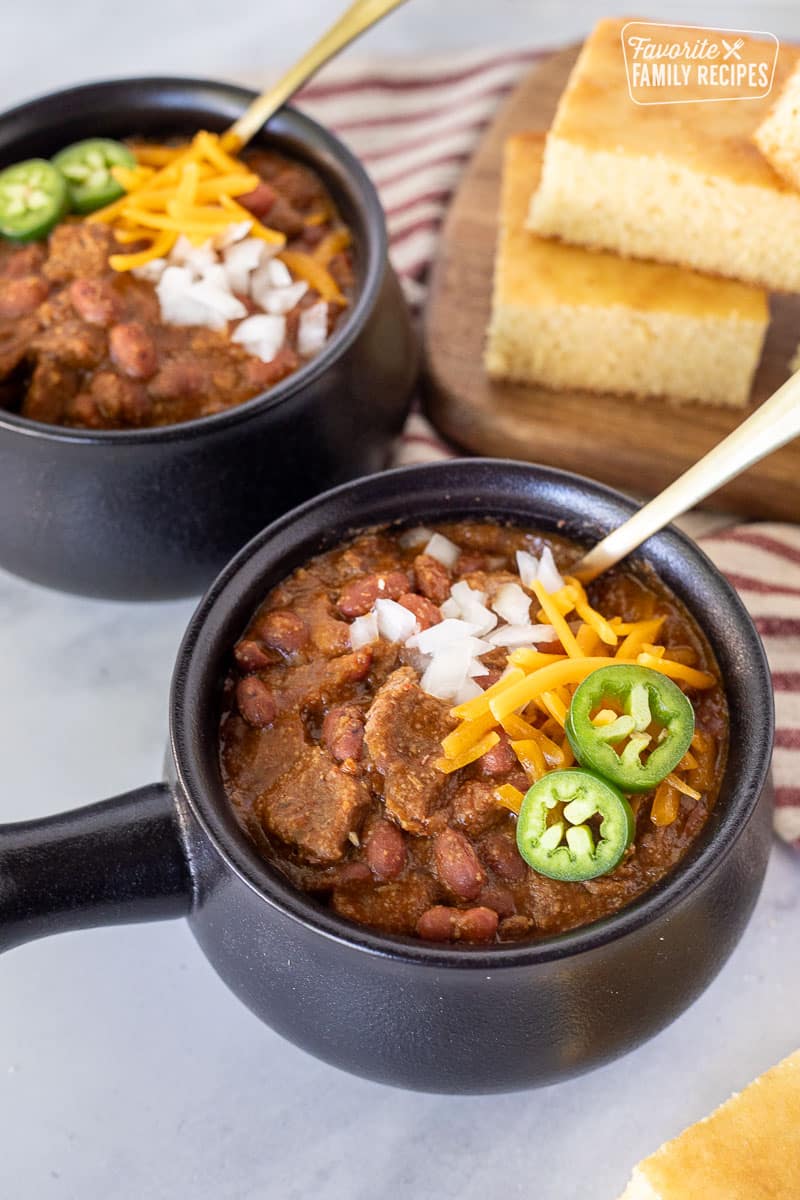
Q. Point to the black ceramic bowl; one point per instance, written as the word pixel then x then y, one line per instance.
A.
pixel 143 514
pixel 457 1019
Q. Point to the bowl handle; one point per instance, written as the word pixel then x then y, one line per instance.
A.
pixel 121 860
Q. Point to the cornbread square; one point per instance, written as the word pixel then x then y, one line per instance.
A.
pixel 681 183
pixel 567 317
pixel 749 1149
pixel 778 136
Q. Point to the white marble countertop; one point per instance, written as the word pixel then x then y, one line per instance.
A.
pixel 127 1071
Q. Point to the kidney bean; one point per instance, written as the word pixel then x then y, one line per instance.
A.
pixel 499 760
pixel 467 563
pixel 490 679
pixel 250 655
pixel 436 925
pixel 457 864
pixel 260 200
pixel 499 898
pixel 502 855
pixel 385 850
pixel 133 350
pixel 442 924
pixel 22 295
pixel 433 578
pixel 343 732
pixel 359 595
pixel 282 630
pixel 255 701
pixel 426 612
pixel 93 300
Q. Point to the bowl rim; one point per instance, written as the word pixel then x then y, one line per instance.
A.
pixel 289 122
pixel 706 854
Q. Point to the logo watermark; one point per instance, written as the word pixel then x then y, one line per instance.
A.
pixel 686 64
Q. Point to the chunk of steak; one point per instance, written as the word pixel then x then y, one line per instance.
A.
pixel 403 734
pixel 52 388
pixel 315 806
pixel 476 808
pixel 15 338
pixel 73 344
pixel 78 251
pixel 394 907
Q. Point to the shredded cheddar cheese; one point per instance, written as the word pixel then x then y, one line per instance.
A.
pixel 530 702
pixel 469 755
pixel 188 190
pixel 554 616
pixel 510 797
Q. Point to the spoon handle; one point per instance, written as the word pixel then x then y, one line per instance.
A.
pixel 359 17
pixel 771 426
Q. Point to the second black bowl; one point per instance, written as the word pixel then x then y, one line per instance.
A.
pixel 153 513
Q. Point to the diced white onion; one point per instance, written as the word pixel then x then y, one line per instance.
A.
pixel 179 306
pixel 446 633
pixel 278 273
pixel 241 259
pixel 414 537
pixel 450 608
pixel 364 631
pixel 216 275
pixel 549 576
pixel 218 300
pixel 261 334
pixel 442 549
pixel 282 300
pixel 473 609
pixel 447 672
pixel 151 271
pixel 395 623
pixel 512 604
pixel 195 258
pixel 477 669
pixel 232 233
pixel 467 596
pixel 522 635
pixel 528 567
pixel 312 329
pixel 468 691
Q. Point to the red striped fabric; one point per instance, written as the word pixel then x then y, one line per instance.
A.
pixel 414 126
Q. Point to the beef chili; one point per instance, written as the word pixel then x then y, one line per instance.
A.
pixel 416 726
pixel 185 295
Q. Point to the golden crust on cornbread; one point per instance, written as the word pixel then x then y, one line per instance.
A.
pixel 681 183
pixel 568 317
pixel 749 1149
pixel 778 135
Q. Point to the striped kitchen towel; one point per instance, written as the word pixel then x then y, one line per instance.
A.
pixel 414 125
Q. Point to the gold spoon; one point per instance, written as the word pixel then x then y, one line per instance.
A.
pixel 771 426
pixel 359 17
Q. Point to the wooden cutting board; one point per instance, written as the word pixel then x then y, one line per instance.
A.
pixel 636 445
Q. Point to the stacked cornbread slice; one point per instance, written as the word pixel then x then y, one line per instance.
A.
pixel 568 317
pixel 681 183
pixel 634 249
